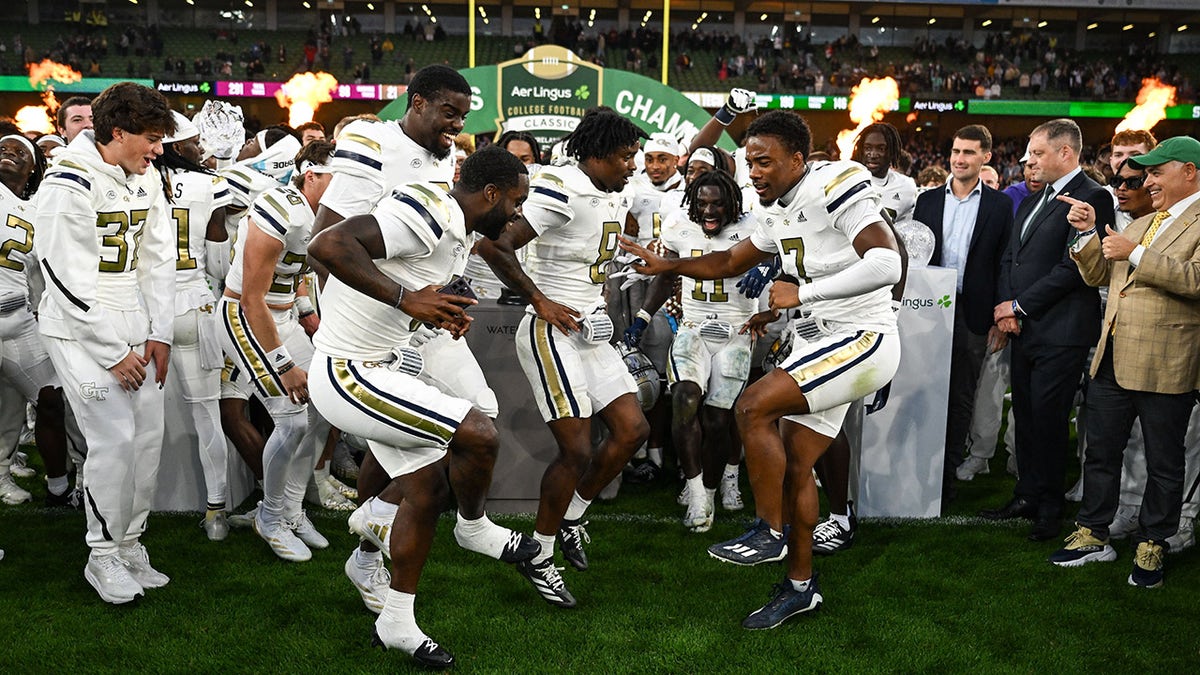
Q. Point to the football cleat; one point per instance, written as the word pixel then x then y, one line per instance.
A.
pixel 137 561
pixel 972 466
pixel 373 528
pixel 547 582
pixel 307 532
pixel 829 537
pixel 699 516
pixel 20 466
pixel 279 536
pixel 216 525
pixel 243 519
pixel 11 493
pixel 372 582
pixel 1184 538
pixel 429 653
pixel 755 546
pixel 111 579
pixel 785 603
pixel 571 538
pixel 331 496
pixel 731 494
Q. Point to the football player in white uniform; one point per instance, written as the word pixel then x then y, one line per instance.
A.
pixel 824 220
pixel 572 220
pixel 878 148
pixel 202 250
pixel 386 272
pixel 261 334
pixel 371 158
pixel 108 324
pixel 710 356
pixel 25 368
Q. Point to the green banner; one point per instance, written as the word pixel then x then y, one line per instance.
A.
pixel 546 91
pixel 1108 109
pixel 88 85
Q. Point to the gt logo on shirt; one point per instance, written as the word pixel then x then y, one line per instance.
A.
pixel 89 390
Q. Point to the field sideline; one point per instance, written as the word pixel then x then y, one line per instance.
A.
pixel 948 594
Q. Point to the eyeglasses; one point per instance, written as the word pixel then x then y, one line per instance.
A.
pixel 1130 182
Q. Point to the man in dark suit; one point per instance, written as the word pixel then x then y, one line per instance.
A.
pixel 1053 318
pixel 971 223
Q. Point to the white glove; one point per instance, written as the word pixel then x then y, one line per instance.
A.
pixel 222 129
pixel 739 101
pixel 630 276
pixel 423 335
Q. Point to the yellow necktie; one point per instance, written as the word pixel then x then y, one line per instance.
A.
pixel 1154 225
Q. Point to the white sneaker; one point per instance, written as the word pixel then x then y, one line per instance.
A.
pixel 11 493
pixel 373 528
pixel 111 578
pixel 332 498
pixel 307 532
pixel 277 533
pixel 1075 494
pixel 972 466
pixel 20 466
pixel 699 517
pixel 1125 522
pixel 343 464
pixel 731 494
pixel 1185 537
pixel 372 582
pixel 216 525
pixel 683 497
pixel 137 561
pixel 243 519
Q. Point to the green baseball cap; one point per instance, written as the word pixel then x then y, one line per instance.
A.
pixel 1180 148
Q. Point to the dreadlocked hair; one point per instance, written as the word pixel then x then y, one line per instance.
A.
pixel 600 133
pixel 731 194
pixel 891 138
pixel 35 177
pixel 171 161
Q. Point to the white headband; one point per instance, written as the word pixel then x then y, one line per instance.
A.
pixel 704 155
pixel 28 143
pixel 315 168
pixel 52 138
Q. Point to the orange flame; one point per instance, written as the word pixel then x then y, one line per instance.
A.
pixel 40 73
pixel 912 117
pixel 868 102
pixel 50 100
pixel 303 94
pixel 1152 102
pixel 34 118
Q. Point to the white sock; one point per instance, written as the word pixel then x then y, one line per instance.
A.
pixel 712 494
pixel 577 507
pixel 323 473
pixel 397 626
pixel 695 484
pixel 774 533
pixel 57 486
pixel 842 519
pixel 641 452
pixel 367 560
pixel 800 585
pixel 382 509
pixel 547 541
pixel 655 455
pixel 481 536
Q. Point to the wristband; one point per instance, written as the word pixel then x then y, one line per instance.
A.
pixel 279 358
pixel 285 367
pixel 304 305
pixel 644 315
pixel 1016 309
pixel 725 116
pixel 399 298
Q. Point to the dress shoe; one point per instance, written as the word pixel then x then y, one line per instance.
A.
pixel 1018 507
pixel 1046 528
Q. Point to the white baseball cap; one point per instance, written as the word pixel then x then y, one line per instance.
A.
pixel 184 129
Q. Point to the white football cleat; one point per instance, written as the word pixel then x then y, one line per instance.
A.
pixel 373 528
pixel 307 532
pixel 279 536
pixel 11 493
pixel 372 582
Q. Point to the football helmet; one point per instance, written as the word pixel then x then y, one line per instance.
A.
pixel 649 386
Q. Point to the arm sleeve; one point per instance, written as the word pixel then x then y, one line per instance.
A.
pixel 156 273
pixel 70 261
pixel 878 268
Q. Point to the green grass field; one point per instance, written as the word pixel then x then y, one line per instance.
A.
pixel 951 594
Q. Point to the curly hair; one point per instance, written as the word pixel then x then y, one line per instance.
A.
pixel 600 133
pixel 790 128
pixel 134 108
pixel 491 165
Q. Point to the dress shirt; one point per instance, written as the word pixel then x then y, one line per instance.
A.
pixel 958 224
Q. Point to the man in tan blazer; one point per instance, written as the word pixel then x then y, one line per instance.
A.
pixel 1147 365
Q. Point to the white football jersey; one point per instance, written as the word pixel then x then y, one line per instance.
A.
pixel 16 245
pixel 285 214
pixel 424 232
pixel 577 226
pixel 897 194
pixel 718 296
pixel 192 198
pixel 814 235
pixel 374 157
pixel 650 203
pixel 245 184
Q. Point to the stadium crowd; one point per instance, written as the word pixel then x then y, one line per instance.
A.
pixel 310 291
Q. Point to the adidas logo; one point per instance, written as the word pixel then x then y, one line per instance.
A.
pixel 735 237
pixel 800 218
pixel 141 192
pixel 896 197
